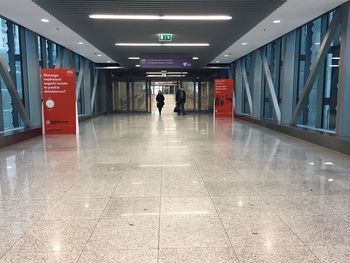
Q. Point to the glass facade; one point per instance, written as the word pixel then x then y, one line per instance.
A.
pixel 320 109
pixel 11 48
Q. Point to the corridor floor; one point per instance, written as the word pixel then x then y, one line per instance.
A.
pixel 139 188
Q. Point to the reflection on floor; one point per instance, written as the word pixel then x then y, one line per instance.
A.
pixel 173 189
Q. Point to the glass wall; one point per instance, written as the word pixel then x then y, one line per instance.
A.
pixel 320 110
pixel 13 51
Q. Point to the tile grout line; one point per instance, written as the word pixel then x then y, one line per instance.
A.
pixel 160 205
pixel 227 236
pixel 104 209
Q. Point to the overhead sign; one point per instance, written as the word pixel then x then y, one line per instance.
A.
pixel 165 63
pixel 223 97
pixel 165 37
pixel 59 101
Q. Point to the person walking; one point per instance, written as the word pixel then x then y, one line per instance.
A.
pixel 180 101
pixel 160 101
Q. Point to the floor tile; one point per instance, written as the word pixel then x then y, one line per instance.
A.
pixel 187 206
pixel 121 207
pixel 131 232
pixel 197 255
pixel 120 256
pixel 334 254
pixel 192 231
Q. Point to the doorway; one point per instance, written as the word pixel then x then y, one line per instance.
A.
pixel 168 89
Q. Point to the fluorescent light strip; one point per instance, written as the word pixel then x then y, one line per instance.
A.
pixel 160 76
pixel 166 17
pixel 162 44
pixel 134 58
pixel 167 72
pixel 110 67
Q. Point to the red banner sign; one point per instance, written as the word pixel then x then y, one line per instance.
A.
pixel 59 102
pixel 223 97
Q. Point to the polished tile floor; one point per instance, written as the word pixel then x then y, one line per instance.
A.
pixel 141 188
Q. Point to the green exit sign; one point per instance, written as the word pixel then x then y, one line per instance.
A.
pixel 166 37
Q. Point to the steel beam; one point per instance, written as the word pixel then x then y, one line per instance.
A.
pixel 93 96
pixel 288 79
pixel 59 57
pixel 246 87
pixel 238 88
pixel 316 66
pixel 80 77
pixel 16 99
pixel 257 85
pixel 271 87
pixel 87 88
pixel 343 107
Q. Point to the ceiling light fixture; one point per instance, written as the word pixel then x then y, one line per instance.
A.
pixel 137 66
pixel 277 21
pixel 80 43
pixel 99 55
pixel 217 61
pixel 108 61
pixel 109 67
pixel 133 58
pixel 244 43
pixel 166 17
pixel 195 58
pixel 226 55
pixel 162 44
pixel 45 20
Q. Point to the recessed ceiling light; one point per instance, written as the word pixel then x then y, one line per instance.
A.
pixel 226 55
pixel 217 61
pixel 195 58
pixel 162 44
pixel 157 17
pixel 99 55
pixel 80 43
pixel 244 43
pixel 133 58
pixel 45 20
pixel 277 21
pixel 137 66
pixel 108 61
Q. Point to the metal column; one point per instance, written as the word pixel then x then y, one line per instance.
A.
pixel 257 85
pixel 343 107
pixel 288 77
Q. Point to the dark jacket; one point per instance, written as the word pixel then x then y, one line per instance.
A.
pixel 180 96
pixel 160 100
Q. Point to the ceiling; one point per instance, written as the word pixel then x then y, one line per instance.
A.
pixel 103 34
pixel 293 14
pixel 29 15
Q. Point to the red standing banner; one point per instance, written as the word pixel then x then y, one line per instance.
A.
pixel 59 101
pixel 223 97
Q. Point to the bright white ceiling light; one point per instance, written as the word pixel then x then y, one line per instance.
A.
pixel 108 61
pixel 217 61
pixel 80 43
pixel 226 55
pixel 45 20
pixel 99 55
pixel 162 44
pixel 133 58
pixel 157 17
pixel 138 44
pixel 137 66
pixel 277 21
pixel 186 44
pixel 195 58
pixel 109 67
pixel 244 43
